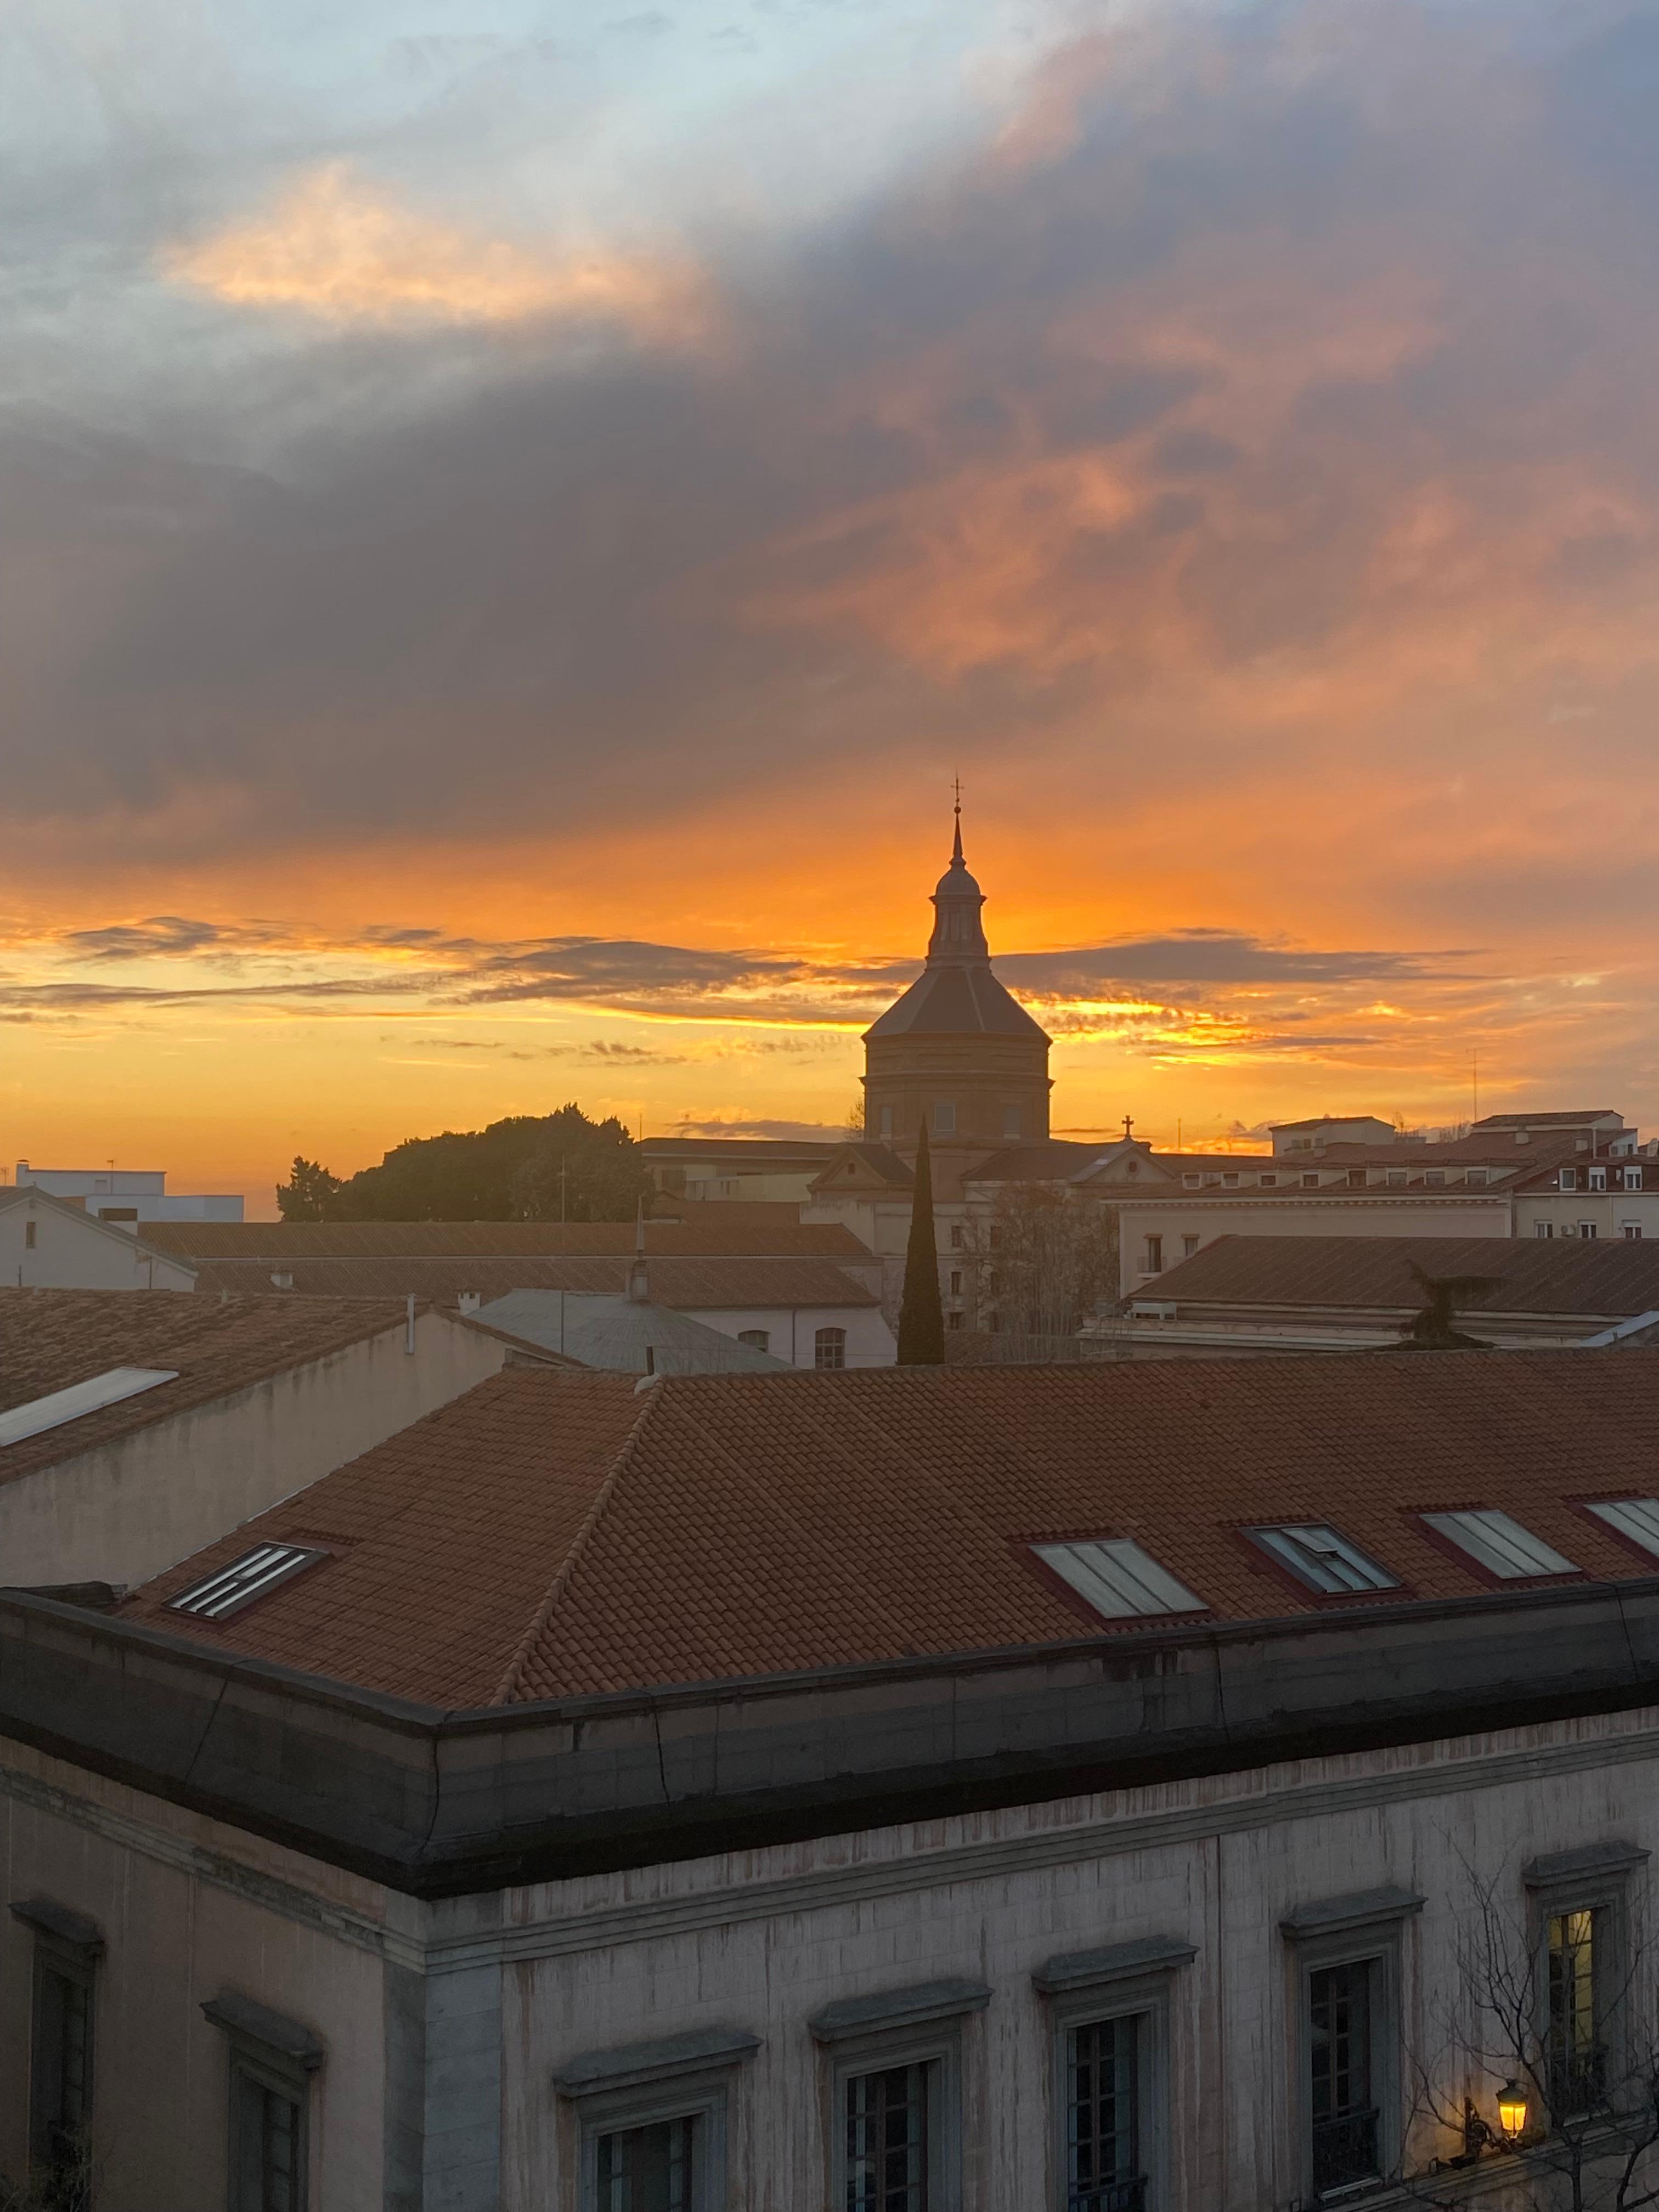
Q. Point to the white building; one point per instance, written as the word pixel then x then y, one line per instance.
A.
pixel 1008 1787
pixel 48 1243
pixel 129 1194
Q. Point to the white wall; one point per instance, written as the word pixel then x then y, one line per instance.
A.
pixel 1609 1209
pixel 70 1253
pixel 1301 1216
pixel 870 1342
pixel 125 1511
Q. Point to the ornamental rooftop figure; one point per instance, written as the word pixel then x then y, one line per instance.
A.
pixel 958 1049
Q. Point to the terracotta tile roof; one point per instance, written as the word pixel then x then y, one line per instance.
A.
pixel 501 1240
pixel 550 1534
pixel 1613 1279
pixel 687 1282
pixel 50 1340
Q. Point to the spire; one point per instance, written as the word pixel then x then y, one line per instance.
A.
pixel 959 934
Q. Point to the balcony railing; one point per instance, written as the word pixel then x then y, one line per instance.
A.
pixel 1128 2195
pixel 1344 2151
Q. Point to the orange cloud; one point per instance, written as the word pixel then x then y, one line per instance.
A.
pixel 336 248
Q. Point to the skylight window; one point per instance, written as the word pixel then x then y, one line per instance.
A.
pixel 1499 1545
pixel 60 1406
pixel 1324 1560
pixel 252 1576
pixel 1634 1518
pixel 1118 1579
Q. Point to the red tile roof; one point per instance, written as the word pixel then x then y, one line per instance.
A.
pixel 386 1240
pixel 1608 1279
pixel 50 1340
pixel 687 1282
pixel 551 1535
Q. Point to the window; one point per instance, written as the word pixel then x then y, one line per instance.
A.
pixel 1347 1953
pixel 1110 2014
pixel 1341 2102
pixel 1632 1178
pixel 58 1407
pixel 1568 1179
pixel 1398 1178
pixel 1230 1183
pixel 1635 1519
pixel 1356 1179
pixel 651 2121
pixel 1630 1232
pixel 757 1339
pixel 1434 1178
pixel 29 1229
pixel 1118 1579
pixel 1011 1121
pixel 67 1947
pixel 1580 1918
pixel 956 1237
pixel 945 1117
pixel 1598 1178
pixel 1475 1178
pixel 1499 1545
pixel 1587 1229
pixel 896 2075
pixel 1322 1559
pixel 1270 1182
pixel 1574 2052
pixel 1154 1263
pixel 956 1282
pixel 885 1121
pixel 1191 1181
pixel 956 1318
pixel 1543 1229
pixel 271 2063
pixel 252 1576
pixel 829 1348
pixel 118 1213
pixel 1310 1181
pixel 1189 1244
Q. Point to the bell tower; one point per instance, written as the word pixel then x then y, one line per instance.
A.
pixel 957 1050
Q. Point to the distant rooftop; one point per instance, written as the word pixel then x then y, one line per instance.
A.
pixel 678 1280
pixel 625 1336
pixel 383 1240
pixel 1610 1281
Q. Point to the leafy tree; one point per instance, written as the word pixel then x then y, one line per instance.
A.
pixel 1046 1259
pixel 922 1315
pixel 545 1167
pixel 309 1194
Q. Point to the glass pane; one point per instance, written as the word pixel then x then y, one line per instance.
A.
pixel 1101 2124
pixel 1340 2098
pixel 647 2169
pixel 1575 2052
pixel 887 2141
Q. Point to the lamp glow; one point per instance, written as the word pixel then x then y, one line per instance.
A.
pixel 1512 2109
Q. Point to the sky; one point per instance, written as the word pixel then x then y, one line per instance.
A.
pixel 512 517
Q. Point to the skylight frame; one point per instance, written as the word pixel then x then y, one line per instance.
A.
pixel 1498 1545
pixel 58 1407
pixel 253 1574
pixel 1322 1559
pixel 1118 1579
pixel 1634 1521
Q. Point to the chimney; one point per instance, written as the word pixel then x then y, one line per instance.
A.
pixel 470 1301
pixel 282 1282
pixel 639 1275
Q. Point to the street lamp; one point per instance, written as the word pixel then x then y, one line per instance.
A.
pixel 1512 2110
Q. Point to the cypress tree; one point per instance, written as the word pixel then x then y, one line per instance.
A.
pixel 921 1316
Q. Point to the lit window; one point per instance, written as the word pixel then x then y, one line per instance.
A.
pixel 1634 1518
pixel 1499 1545
pixel 829 1348
pixel 945 1117
pixel 757 1339
pixel 1574 2050
pixel 252 1576
pixel 1324 1560
pixel 1118 1579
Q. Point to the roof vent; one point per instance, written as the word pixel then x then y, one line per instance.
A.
pixel 1523 1136
pixel 282 1282
pixel 470 1301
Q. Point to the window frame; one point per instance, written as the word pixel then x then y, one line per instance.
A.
pixel 821 1345
pixel 273 2054
pixel 1255 1535
pixel 692 2076
pixel 1596 1878
pixel 1588 1230
pixel 69 1945
pixel 1344 1931
pixel 922 2026
pixel 944 1117
pixel 1446 1541
pixel 1153 1260
pixel 1122 1981
pixel 757 1339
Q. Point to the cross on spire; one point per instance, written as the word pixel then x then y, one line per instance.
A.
pixel 1128 1127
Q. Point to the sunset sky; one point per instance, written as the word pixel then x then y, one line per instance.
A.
pixel 512 514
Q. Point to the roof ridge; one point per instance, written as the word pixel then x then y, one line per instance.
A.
pixel 503 1692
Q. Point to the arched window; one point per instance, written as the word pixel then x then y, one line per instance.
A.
pixel 829 1348
pixel 757 1339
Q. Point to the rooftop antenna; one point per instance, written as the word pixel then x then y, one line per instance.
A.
pixel 955 849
